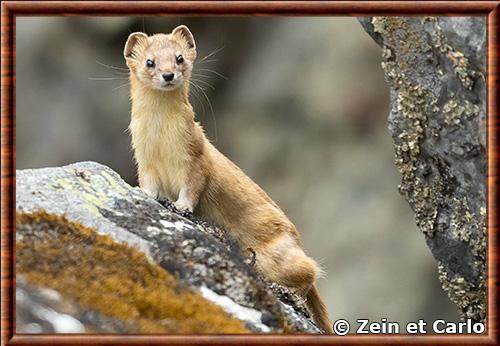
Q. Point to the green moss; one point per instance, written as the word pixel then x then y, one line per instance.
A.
pixel 112 278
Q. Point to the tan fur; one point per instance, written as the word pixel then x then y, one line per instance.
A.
pixel 176 160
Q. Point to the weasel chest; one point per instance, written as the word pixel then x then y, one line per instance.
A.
pixel 162 152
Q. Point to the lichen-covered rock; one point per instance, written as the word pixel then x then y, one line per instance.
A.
pixel 435 67
pixel 115 260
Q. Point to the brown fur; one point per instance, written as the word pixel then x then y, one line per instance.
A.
pixel 176 160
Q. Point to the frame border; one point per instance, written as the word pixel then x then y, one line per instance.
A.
pixel 11 9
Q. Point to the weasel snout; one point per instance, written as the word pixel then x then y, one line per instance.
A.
pixel 168 76
pixel 170 80
pixel 167 80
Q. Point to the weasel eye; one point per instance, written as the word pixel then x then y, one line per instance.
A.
pixel 179 59
pixel 150 63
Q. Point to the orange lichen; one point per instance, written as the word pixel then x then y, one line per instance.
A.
pixel 112 278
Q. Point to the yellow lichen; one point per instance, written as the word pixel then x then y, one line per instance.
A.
pixel 469 298
pixel 112 278
pixel 112 181
pixel 427 181
pixel 94 199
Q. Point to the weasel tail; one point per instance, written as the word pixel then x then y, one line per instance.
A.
pixel 176 160
pixel 318 309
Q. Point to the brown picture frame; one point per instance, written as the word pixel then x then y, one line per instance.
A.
pixel 11 9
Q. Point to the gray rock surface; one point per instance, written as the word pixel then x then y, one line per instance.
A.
pixel 201 256
pixel 44 310
pixel 435 67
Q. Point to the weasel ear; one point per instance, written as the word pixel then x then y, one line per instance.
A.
pixel 185 35
pixel 133 39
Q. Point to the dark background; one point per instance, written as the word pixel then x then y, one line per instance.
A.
pixel 302 111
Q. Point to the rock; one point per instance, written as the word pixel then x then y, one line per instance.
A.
pixel 115 260
pixel 43 310
pixel 435 67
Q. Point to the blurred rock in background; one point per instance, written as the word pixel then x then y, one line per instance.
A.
pixel 302 112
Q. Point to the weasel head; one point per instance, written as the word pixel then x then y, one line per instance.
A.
pixel 162 61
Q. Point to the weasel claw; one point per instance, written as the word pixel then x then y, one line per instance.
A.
pixel 186 213
pixel 182 209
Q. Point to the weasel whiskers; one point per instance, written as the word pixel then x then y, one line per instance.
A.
pixel 192 82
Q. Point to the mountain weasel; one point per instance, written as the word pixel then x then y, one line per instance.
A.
pixel 176 160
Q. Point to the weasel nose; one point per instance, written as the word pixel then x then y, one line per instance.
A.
pixel 168 76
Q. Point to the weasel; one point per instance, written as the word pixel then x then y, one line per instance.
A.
pixel 176 160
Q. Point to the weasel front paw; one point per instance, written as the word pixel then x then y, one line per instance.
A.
pixel 184 208
pixel 182 205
